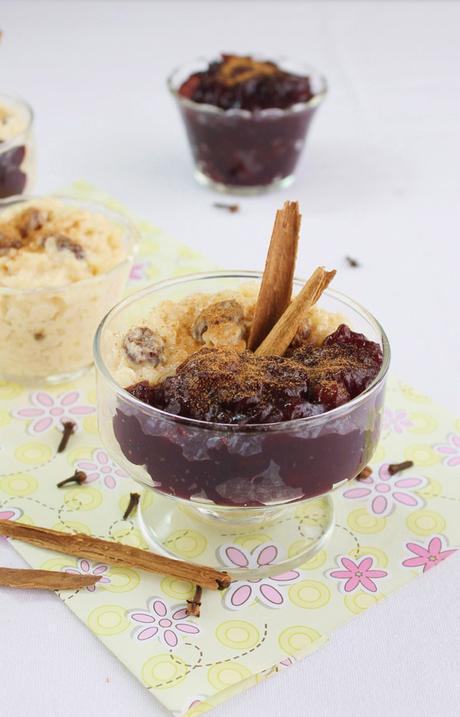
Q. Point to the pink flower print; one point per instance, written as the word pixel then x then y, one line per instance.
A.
pixel 267 590
pixel 101 467
pixel 7 513
pixel 357 574
pixel 450 450
pixel 396 421
pixel 286 662
pixel 48 410
pixel 385 491
pixel 84 567
pixel 196 701
pixel 139 271
pixel 165 624
pixel 428 557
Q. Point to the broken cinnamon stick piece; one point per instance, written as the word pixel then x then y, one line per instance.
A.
pixel 276 288
pixel 286 327
pixel 44 579
pixel 85 546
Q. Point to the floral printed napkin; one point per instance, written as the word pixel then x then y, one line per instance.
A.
pixel 388 530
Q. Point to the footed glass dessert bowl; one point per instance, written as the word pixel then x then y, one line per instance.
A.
pixel 213 484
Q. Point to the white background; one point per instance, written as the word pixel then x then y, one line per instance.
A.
pixel 379 181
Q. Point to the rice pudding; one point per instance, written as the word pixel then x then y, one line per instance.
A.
pixel 63 264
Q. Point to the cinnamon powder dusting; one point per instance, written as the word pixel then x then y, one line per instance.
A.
pixel 235 69
pixel 226 386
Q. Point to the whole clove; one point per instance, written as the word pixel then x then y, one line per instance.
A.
pixel 398 467
pixel 78 477
pixel 194 605
pixel 134 499
pixel 69 428
pixel 354 263
pixel 231 208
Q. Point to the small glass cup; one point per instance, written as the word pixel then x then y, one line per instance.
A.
pixel 246 152
pixel 17 154
pixel 46 333
pixel 214 480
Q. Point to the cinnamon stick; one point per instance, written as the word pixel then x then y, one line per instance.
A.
pixel 276 288
pixel 85 546
pixel 286 327
pixel 44 579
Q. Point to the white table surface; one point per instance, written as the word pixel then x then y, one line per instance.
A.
pixel 379 181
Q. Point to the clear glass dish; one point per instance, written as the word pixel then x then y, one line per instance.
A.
pixel 218 480
pixel 246 152
pixel 17 153
pixel 47 333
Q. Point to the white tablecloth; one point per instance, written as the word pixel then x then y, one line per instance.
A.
pixel 379 181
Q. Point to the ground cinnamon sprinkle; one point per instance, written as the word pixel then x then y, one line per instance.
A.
pixel 237 69
pixel 223 384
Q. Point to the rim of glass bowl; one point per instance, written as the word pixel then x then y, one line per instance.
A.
pixel 15 100
pixel 249 427
pixel 131 237
pixel 307 70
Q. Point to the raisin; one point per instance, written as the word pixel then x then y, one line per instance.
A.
pixel 63 243
pixel 142 346
pixel 226 314
pixel 9 239
pixel 30 220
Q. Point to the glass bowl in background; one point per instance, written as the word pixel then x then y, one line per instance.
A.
pixel 17 154
pixel 47 333
pixel 208 481
pixel 241 151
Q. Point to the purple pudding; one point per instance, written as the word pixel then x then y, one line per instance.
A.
pixel 246 430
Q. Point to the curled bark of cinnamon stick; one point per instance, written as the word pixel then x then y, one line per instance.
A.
pixel 276 288
pixel 286 327
pixel 44 579
pixel 85 546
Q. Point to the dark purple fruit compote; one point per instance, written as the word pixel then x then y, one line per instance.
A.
pixel 247 121
pixel 261 429
pixel 12 178
pixel 15 145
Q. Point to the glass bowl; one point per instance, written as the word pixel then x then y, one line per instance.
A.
pixel 208 480
pixel 17 153
pixel 46 333
pixel 246 152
